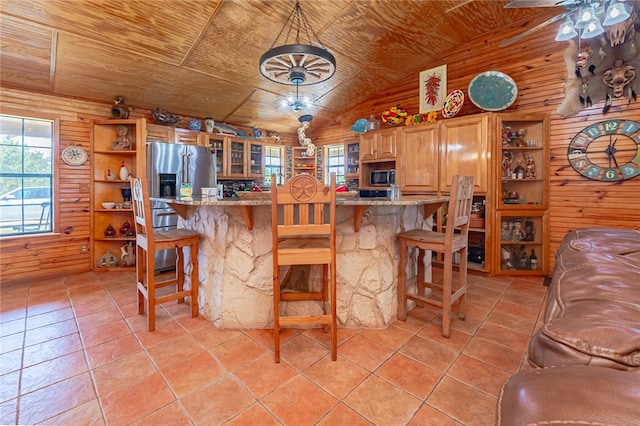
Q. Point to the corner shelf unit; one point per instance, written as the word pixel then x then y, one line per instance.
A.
pixel 301 163
pixel 105 159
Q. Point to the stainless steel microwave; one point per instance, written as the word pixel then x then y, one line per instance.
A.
pixel 382 177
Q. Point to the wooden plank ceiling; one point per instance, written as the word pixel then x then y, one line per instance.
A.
pixel 200 57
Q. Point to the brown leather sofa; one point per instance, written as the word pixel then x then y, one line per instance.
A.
pixel 586 356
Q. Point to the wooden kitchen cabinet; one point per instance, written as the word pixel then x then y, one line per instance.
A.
pixel 352 160
pixel 464 150
pixel 379 145
pixel 106 188
pixel 236 158
pixel 187 137
pixel 417 163
pixel 159 133
pixel 520 165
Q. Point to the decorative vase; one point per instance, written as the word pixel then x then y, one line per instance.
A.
pixel 110 232
pixel 209 124
pixel 124 172
pixel 124 229
pixel 126 194
pixel 194 124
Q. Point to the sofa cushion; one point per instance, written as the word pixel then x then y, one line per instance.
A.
pixel 592 315
pixel 570 395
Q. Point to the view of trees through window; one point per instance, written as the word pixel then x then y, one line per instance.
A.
pixel 335 163
pixel 26 175
pixel 273 164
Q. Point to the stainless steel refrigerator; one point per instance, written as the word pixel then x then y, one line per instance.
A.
pixel 168 167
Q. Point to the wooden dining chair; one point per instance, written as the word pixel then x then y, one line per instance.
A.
pixel 147 242
pixel 453 239
pixel 303 213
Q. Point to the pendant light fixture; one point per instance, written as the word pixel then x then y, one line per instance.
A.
pixel 300 61
pixel 297 62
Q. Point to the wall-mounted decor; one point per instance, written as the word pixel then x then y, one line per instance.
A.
pixel 605 70
pixel 607 151
pixel 433 88
pixel 492 91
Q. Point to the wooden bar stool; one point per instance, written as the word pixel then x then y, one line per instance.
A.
pixel 448 242
pixel 302 236
pixel 147 242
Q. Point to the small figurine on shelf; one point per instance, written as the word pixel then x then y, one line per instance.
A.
pixel 505 234
pixel 110 232
pixel 506 166
pixel 518 232
pixel 124 172
pixel 122 141
pixel 531 167
pixel 110 175
pixel 127 255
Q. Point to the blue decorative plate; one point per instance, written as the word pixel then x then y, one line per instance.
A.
pixel 492 91
pixel 360 126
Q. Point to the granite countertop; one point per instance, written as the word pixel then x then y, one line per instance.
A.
pixel 407 200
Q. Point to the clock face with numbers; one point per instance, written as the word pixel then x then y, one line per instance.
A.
pixel 607 151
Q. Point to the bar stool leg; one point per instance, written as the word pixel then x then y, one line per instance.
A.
pixel 446 294
pixel 180 271
pixel 420 285
pixel 402 279
pixel 195 280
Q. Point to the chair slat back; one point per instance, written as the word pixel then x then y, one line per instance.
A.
pixel 141 207
pixel 298 208
pixel 460 200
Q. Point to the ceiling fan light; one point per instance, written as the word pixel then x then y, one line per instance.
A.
pixel 566 31
pixel 616 13
pixel 586 15
pixel 594 29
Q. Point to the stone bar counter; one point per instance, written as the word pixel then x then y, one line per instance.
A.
pixel 236 266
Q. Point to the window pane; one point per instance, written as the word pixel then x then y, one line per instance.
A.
pixel 26 175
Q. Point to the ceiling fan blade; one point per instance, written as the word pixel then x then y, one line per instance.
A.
pixel 542 3
pixel 458 6
pixel 534 29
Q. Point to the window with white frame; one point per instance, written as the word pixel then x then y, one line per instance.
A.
pixel 334 160
pixel 26 175
pixel 273 164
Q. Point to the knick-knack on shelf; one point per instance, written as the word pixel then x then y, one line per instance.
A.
pixel 124 229
pixel 110 175
pixel 110 232
pixel 124 172
pixel 209 124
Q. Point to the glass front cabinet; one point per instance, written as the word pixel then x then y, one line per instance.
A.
pixel 521 168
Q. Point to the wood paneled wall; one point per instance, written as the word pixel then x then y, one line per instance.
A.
pixel 536 64
pixel 59 253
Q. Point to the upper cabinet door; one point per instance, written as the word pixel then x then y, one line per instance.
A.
pixel 464 150
pixel 387 143
pixel 367 146
pixel 417 164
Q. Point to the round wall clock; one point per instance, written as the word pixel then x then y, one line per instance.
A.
pixel 607 151
pixel 74 156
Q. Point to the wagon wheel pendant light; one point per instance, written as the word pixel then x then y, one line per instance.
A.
pixel 293 63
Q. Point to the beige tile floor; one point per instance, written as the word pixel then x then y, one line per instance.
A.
pixel 74 351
